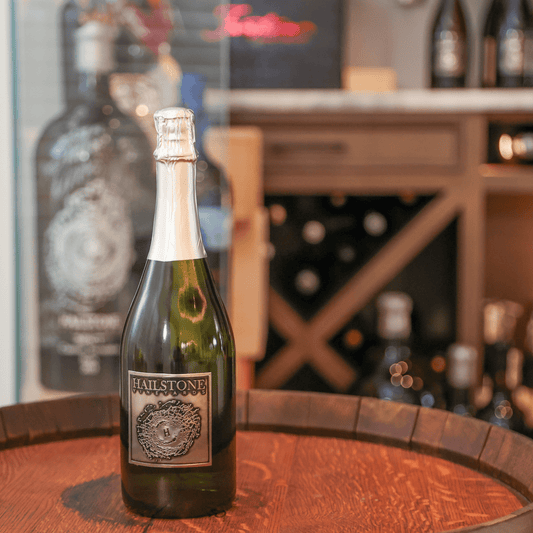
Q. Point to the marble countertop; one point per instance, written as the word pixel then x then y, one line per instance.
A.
pixel 338 100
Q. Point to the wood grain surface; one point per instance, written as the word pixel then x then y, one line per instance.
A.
pixel 287 483
pixel 306 462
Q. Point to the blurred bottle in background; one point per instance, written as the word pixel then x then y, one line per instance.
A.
pixel 96 198
pixel 523 394
pixel 392 378
pixel 460 379
pixel 449 48
pixel 507 24
pixel 212 188
pixel 503 364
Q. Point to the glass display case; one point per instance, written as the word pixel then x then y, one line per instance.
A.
pixel 87 77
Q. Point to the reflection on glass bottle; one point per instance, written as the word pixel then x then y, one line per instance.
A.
pixel 96 200
pixel 503 363
pixel 213 191
pixel 461 379
pixel 504 43
pixel 449 46
pixel 392 378
pixel 147 77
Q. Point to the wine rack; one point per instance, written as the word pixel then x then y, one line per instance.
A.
pixel 318 341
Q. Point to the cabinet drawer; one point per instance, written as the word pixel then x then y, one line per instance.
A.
pixel 397 147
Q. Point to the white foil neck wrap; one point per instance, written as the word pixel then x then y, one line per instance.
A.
pixel 175 135
pixel 176 234
pixel 95 48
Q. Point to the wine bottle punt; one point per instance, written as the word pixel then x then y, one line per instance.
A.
pixel 177 387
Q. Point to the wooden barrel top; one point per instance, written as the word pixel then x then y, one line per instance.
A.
pixel 305 462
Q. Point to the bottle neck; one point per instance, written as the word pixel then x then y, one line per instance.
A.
pixel 93 86
pixel 448 6
pixel 176 233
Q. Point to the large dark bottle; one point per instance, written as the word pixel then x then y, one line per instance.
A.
pixel 96 198
pixel 392 378
pixel 504 43
pixel 449 46
pixel 213 190
pixel 461 379
pixel 503 363
pixel 177 389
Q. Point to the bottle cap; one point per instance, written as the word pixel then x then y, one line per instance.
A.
pixel 394 315
pixel 175 135
pixel 461 367
pixel 95 47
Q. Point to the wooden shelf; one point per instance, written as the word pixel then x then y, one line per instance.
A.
pixel 373 154
pixel 511 179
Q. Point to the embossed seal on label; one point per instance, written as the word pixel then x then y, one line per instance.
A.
pixel 170 419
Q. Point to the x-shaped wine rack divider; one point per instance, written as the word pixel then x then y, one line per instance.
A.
pixel 308 340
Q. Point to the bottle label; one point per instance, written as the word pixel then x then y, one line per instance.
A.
pixel 170 419
pixel 215 224
pixel 89 337
pixel 450 55
pixel 89 247
pixel 512 54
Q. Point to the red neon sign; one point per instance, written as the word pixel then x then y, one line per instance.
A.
pixel 236 21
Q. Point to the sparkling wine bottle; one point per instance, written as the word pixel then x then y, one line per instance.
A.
pixel 461 379
pixel 177 388
pixel 96 200
pixel 392 379
pixel 503 363
pixel 213 191
pixel 504 43
pixel 449 46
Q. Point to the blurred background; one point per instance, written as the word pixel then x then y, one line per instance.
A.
pixel 365 190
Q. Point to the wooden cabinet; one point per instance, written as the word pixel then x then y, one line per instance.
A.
pixel 387 153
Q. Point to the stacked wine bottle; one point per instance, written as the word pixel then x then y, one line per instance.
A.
pixel 506 45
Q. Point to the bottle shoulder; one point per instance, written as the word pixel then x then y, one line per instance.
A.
pixel 178 291
pixel 176 318
pixel 450 17
pixel 97 126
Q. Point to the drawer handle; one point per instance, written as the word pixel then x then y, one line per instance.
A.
pixel 336 148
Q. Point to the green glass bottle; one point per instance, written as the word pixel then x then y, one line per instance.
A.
pixel 177 384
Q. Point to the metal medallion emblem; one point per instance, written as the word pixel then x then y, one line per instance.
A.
pixel 170 419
